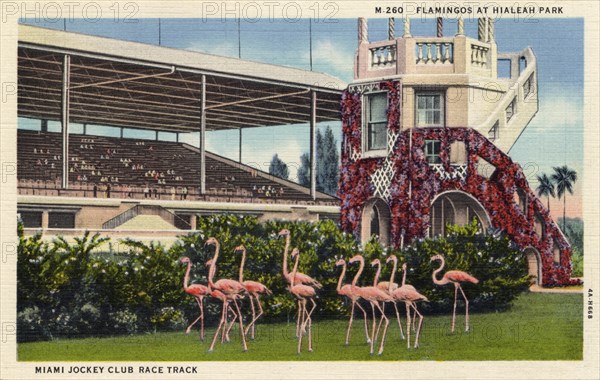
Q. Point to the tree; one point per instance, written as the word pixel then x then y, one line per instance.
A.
pixel 278 168
pixel 328 170
pixel 545 188
pixel 327 162
pixel 564 178
pixel 304 170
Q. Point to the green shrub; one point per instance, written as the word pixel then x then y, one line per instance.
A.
pixel 68 290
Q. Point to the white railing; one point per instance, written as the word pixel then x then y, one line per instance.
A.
pixel 459 171
pixel 479 54
pixel 434 51
pixel 383 56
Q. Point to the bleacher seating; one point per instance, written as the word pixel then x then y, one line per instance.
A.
pixel 139 169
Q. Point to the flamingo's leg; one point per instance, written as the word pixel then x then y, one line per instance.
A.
pixel 298 321
pixel 350 323
pixel 212 345
pixel 260 312
pixel 250 326
pixel 310 324
pixel 382 309
pixel 387 323
pixel 365 320
pixel 414 320
pixel 237 308
pixel 373 329
pixel 399 322
pixel 467 308
pixel 407 304
pixel 454 309
pixel 301 310
pixel 201 303
pixel 418 333
pixel 189 328
pixel 235 316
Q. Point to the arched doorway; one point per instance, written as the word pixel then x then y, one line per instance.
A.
pixel 533 263
pixel 376 221
pixel 456 207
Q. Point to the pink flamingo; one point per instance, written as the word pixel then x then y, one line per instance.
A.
pixel 374 295
pixel 231 289
pixel 388 287
pixel 409 295
pixel 351 293
pixel 254 289
pixel 198 291
pixel 455 277
pixel 299 278
pixel 223 298
pixel 302 293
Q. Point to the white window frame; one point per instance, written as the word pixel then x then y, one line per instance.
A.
pixel 427 154
pixel 367 152
pixel 442 96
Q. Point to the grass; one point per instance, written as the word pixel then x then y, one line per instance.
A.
pixel 538 327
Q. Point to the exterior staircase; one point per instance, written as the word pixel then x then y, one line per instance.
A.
pixel 150 210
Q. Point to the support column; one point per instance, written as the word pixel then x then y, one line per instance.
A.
pixel 45 219
pixel 363 33
pixel 240 146
pixel 120 130
pixel 407 28
pixel 156 135
pixel 177 137
pixel 461 27
pixel 44 125
pixel 391 29
pixel 313 144
pixel 85 129
pixel 65 120
pixel 491 37
pixel 440 27
pixel 203 137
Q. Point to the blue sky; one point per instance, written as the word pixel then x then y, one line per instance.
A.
pixel 554 137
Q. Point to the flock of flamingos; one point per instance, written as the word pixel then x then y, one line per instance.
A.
pixel 304 289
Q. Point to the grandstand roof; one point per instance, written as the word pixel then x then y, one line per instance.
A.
pixel 130 84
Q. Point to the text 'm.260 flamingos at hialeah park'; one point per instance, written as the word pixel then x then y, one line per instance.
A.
pixel 304 288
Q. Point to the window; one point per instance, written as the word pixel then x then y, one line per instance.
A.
pixel 511 110
pixel 432 151
pixel 61 220
pixel 31 219
pixel 430 110
pixel 376 121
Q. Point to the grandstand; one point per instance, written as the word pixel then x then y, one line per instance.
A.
pixel 72 180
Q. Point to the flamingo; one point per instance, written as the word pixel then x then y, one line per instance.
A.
pixel 388 287
pixel 374 295
pixel 254 289
pixel 302 293
pixel 350 292
pixel 198 291
pixel 409 295
pixel 299 278
pixel 455 277
pixel 231 289
pixel 223 298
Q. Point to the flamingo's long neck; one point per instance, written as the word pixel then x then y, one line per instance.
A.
pixel 404 269
pixel 376 279
pixel 443 281
pixel 360 269
pixel 213 266
pixel 186 278
pixel 294 270
pixel 394 268
pixel 242 265
pixel 342 275
pixel 286 274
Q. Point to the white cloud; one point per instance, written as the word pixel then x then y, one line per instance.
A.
pixel 329 58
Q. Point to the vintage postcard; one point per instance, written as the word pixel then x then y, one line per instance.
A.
pixel 299 189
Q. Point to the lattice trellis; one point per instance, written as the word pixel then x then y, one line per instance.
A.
pixel 382 178
pixel 391 140
pixel 355 155
pixel 460 171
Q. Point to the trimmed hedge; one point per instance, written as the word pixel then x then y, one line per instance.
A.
pixel 72 290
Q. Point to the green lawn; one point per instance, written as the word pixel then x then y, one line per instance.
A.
pixel 537 327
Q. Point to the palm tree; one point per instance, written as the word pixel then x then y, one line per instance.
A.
pixel 545 188
pixel 564 178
